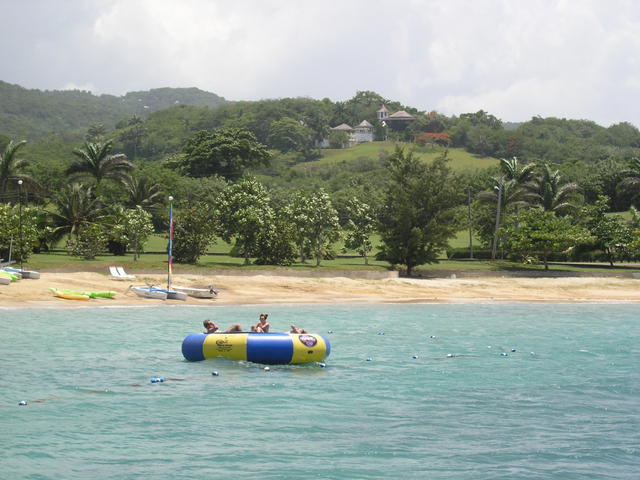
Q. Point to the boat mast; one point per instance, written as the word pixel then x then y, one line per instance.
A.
pixel 170 248
pixel 21 240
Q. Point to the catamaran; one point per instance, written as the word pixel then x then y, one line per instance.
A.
pixel 168 293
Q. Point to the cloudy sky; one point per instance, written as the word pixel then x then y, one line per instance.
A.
pixel 513 58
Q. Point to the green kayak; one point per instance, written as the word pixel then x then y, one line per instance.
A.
pixel 9 275
pixel 99 294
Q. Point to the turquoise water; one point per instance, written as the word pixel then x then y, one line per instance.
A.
pixel 564 405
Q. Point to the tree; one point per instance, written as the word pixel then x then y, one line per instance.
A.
pixel 316 223
pixel 131 138
pixel 610 232
pixel 631 181
pixel 512 198
pixel 91 239
pixel 226 152
pixel 540 232
pixel 359 228
pixel 128 228
pixel 275 245
pixel 194 231
pixel 95 161
pixel 513 170
pixel 95 133
pixel 244 214
pixel 142 192
pixel 11 231
pixel 75 206
pixel 11 166
pixel 288 134
pixel 338 139
pixel 418 216
pixel 549 191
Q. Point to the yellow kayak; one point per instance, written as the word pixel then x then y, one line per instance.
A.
pixel 68 296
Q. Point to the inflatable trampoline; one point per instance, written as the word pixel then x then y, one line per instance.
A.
pixel 267 348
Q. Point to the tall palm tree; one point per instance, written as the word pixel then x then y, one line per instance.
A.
pixel 143 192
pixel 94 160
pixel 549 191
pixel 513 170
pixel 10 167
pixel 75 206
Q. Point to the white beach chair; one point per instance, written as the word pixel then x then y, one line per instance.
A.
pixel 113 274
pixel 118 273
pixel 123 274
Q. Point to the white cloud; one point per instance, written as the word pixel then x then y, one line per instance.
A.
pixel 515 59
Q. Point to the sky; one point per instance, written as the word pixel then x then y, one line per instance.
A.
pixel 515 59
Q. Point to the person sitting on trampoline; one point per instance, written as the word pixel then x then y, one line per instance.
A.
pixel 295 329
pixel 213 328
pixel 262 326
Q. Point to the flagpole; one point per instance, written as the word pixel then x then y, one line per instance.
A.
pixel 170 249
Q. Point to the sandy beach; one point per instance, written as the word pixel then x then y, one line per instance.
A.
pixel 271 289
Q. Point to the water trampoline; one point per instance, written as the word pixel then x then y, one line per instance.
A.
pixel 265 348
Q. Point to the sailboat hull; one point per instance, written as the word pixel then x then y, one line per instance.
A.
pixel 173 295
pixel 196 292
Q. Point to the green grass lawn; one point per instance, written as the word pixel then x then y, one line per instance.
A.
pixel 218 258
pixel 461 160
pixel 158 262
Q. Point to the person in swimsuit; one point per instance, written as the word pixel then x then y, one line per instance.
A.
pixel 295 329
pixel 213 328
pixel 262 326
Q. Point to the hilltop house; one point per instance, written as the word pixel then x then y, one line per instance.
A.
pixel 363 132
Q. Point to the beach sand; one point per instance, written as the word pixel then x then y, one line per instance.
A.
pixel 271 289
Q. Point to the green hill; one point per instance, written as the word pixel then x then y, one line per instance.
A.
pixel 32 114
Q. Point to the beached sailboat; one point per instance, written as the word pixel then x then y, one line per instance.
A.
pixel 172 294
pixel 169 293
pixel 197 292
pixel 32 274
pixel 149 292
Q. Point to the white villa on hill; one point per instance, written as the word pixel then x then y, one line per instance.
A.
pixel 363 132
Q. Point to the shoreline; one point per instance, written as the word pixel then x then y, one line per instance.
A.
pixel 262 289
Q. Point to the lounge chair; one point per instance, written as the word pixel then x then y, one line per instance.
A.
pixel 118 273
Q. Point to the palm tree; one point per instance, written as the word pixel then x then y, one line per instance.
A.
pixel 512 169
pixel 76 206
pixel 550 193
pixel 143 192
pixel 10 166
pixel 95 161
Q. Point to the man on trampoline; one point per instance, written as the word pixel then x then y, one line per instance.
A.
pixel 213 328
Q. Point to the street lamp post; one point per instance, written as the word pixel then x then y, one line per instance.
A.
pixel 495 232
pixel 20 221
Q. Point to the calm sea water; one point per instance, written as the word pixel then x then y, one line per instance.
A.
pixel 564 405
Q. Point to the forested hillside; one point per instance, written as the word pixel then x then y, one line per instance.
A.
pixel 277 162
pixel 32 114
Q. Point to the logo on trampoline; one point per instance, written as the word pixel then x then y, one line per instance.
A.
pixel 308 340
